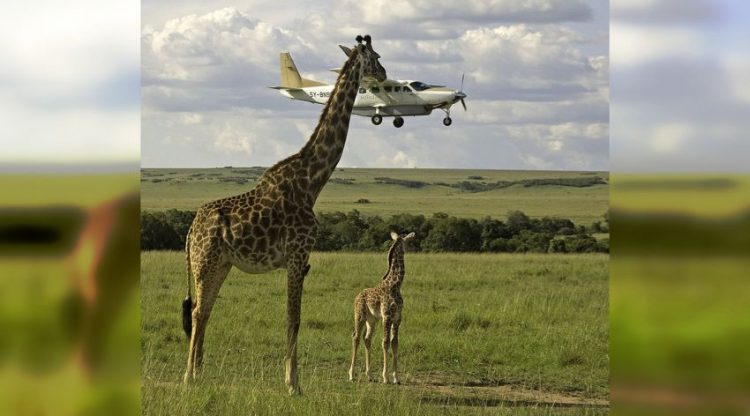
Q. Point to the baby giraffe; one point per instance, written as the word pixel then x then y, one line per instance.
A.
pixel 382 302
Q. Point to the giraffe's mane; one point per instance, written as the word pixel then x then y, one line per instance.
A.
pixel 390 259
pixel 344 70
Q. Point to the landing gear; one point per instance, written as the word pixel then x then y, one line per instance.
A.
pixel 377 119
pixel 398 122
pixel 447 121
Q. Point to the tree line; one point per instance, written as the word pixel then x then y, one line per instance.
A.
pixel 166 230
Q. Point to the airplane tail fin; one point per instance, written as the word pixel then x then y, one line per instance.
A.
pixel 290 77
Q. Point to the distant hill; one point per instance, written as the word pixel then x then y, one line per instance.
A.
pixel 579 196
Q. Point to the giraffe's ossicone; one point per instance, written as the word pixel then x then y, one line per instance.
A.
pixel 273 225
pixel 382 302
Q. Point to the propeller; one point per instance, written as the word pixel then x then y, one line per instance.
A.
pixel 460 93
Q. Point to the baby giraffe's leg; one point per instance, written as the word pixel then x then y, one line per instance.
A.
pixel 394 348
pixel 368 342
pixel 386 344
pixel 356 336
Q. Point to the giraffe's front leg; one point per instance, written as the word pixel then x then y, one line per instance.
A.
pixel 356 335
pixel 295 278
pixel 386 344
pixel 394 349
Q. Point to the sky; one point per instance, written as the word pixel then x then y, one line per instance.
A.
pixel 680 85
pixel 537 76
pixel 69 82
pixel 537 79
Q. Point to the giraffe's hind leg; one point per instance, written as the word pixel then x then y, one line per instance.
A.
pixel 209 277
pixel 371 321
pixel 359 322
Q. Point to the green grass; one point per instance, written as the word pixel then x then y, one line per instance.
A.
pixel 679 293
pixel 189 188
pixel 74 189
pixel 37 373
pixel 705 195
pixel 500 334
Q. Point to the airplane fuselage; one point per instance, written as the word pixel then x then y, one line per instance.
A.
pixel 387 100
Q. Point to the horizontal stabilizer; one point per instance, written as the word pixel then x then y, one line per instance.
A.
pixel 286 88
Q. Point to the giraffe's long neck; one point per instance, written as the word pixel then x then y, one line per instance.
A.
pixel 323 151
pixel 396 268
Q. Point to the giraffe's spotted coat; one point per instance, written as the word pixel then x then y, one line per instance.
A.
pixel 382 302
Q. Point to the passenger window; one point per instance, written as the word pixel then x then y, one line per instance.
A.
pixel 407 89
pixel 375 90
pixel 396 89
pixel 387 89
pixel 361 90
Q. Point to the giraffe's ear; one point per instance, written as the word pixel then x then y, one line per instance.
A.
pixel 409 236
pixel 394 235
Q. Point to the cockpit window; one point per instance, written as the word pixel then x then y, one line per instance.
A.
pixel 419 86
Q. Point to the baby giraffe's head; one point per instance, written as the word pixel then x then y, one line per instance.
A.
pixel 399 241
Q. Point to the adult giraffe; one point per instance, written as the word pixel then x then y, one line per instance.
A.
pixel 273 225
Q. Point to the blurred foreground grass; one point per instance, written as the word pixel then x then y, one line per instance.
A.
pixel 679 294
pixel 38 371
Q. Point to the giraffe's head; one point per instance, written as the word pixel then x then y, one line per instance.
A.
pixel 399 241
pixel 368 59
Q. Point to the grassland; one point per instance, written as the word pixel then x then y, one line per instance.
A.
pixel 84 190
pixel 704 195
pixel 163 189
pixel 482 334
pixel 38 375
pixel 678 306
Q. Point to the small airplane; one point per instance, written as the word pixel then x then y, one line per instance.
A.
pixel 390 98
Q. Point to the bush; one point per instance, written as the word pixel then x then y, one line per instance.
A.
pixel 441 232
pixel 454 234
pixel 157 233
pixel 582 243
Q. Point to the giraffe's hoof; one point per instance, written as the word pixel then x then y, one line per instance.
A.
pixel 295 390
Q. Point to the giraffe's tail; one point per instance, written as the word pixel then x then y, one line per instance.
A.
pixel 187 316
pixel 187 303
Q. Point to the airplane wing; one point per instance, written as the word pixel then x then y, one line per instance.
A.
pixel 370 82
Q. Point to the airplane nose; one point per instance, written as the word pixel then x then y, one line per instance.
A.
pixel 460 95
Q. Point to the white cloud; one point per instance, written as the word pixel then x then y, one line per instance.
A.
pixel 383 12
pixel 69 81
pixel 737 67
pixel 633 44
pixel 667 137
pixel 205 78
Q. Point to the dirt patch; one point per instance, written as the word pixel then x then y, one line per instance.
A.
pixel 441 390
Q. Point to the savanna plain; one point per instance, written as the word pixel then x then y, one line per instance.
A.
pixel 481 333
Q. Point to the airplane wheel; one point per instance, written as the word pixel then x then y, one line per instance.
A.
pixel 398 122
pixel 447 121
pixel 377 119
